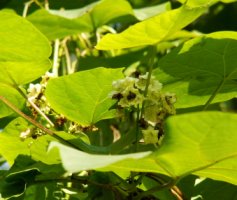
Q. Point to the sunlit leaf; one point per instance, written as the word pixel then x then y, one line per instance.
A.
pixel 84 100
pixel 12 145
pixel 12 95
pixel 208 146
pixel 24 51
pixel 152 30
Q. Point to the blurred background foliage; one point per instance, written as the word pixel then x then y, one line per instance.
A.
pixel 220 16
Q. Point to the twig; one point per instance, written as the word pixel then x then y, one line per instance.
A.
pixel 35 123
pixel 67 55
pixel 26 8
pixel 151 55
pixel 214 94
pixel 34 106
pixel 55 57
pixel 39 111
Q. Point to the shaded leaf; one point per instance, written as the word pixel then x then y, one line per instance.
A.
pixel 18 180
pixel 83 97
pixel 201 3
pixel 124 60
pixel 152 30
pixel 202 67
pixel 212 190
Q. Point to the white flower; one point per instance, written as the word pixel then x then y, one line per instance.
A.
pixel 34 90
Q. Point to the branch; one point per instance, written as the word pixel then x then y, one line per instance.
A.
pixel 35 123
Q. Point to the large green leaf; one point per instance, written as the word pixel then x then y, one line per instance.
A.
pixel 24 51
pixel 60 23
pixel 200 143
pixel 12 146
pixel 83 96
pixel 152 30
pixel 12 95
pixel 201 68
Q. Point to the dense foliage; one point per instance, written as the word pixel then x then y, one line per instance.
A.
pixel 125 99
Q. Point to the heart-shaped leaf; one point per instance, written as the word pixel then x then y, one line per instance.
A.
pixel 84 96
pixel 203 144
pixel 202 69
pixel 24 51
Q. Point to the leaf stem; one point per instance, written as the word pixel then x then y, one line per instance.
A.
pixel 214 94
pixel 55 57
pixel 34 106
pixel 137 128
pixel 155 189
pixel 26 8
pixel 151 55
pixel 67 56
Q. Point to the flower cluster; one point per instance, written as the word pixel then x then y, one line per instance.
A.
pixel 36 94
pixel 157 105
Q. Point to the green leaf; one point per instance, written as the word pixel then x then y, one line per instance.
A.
pixel 53 25
pixel 198 3
pixel 12 146
pixel 201 68
pixel 207 140
pixel 24 172
pixel 107 11
pixel 212 190
pixel 125 60
pixel 60 23
pixel 11 95
pixel 71 158
pixel 24 51
pixel 201 3
pixel 44 190
pixel 147 12
pixel 152 30
pixel 83 97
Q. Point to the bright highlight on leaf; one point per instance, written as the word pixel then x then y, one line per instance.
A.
pixel 80 161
